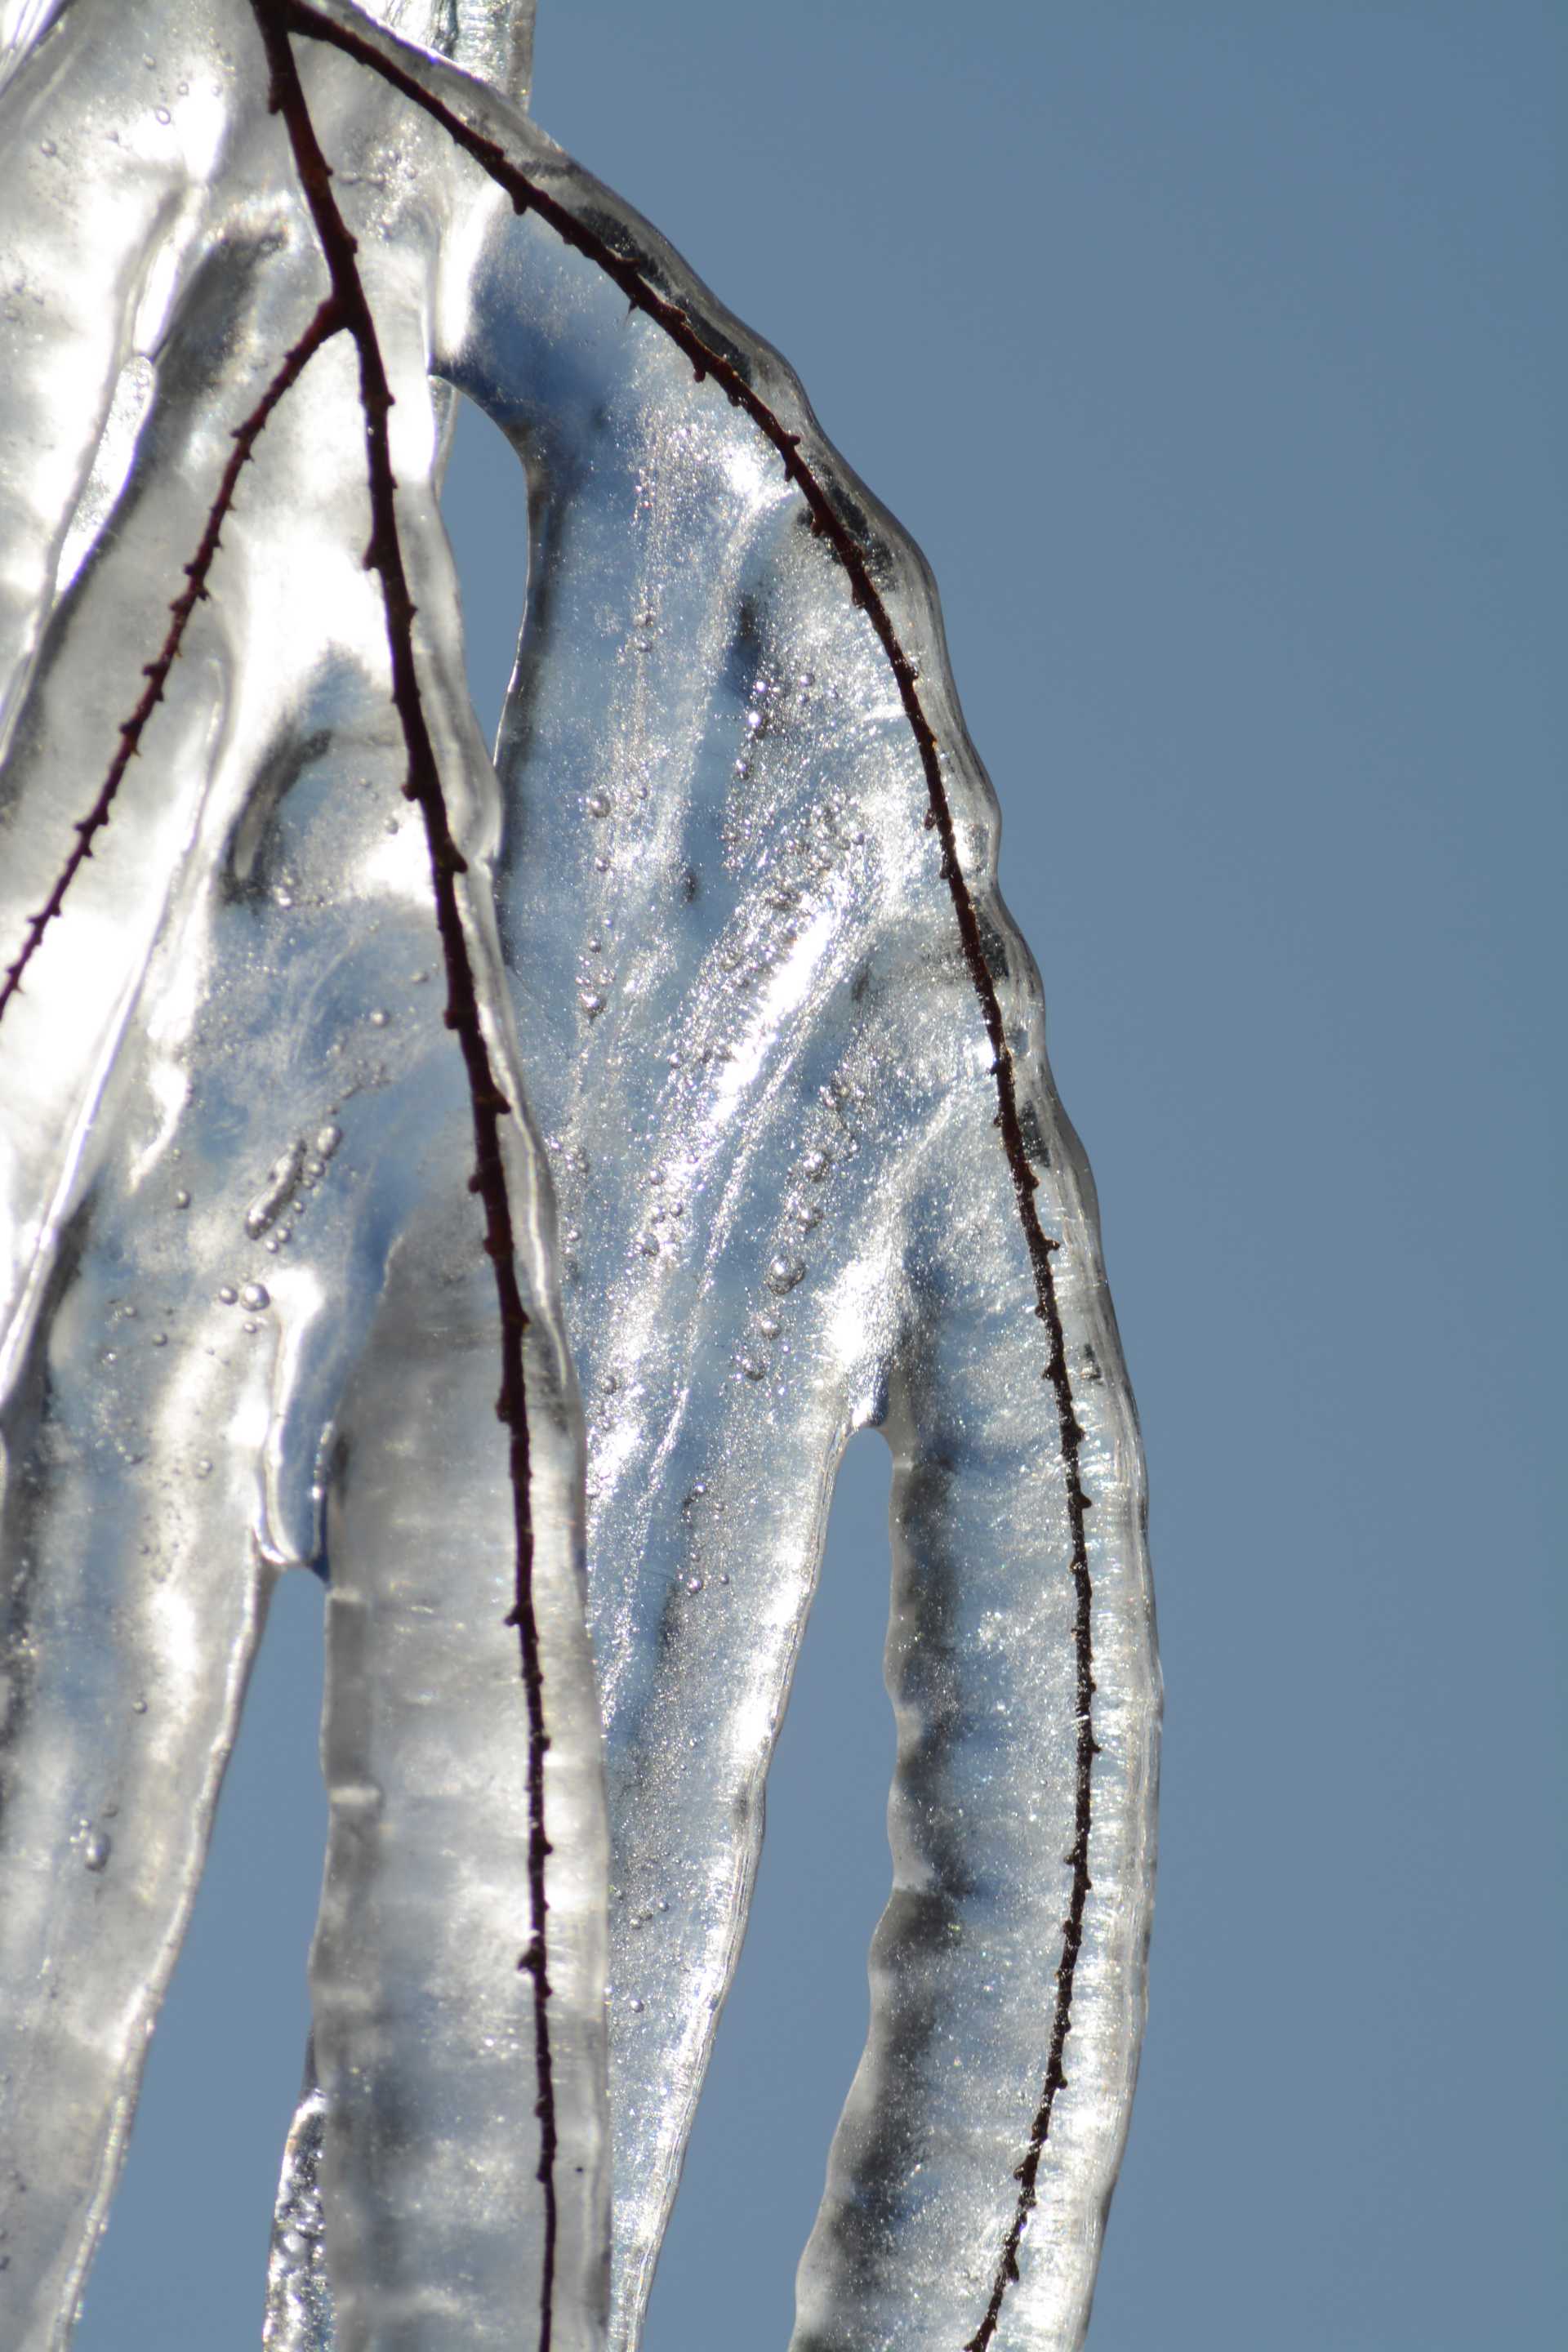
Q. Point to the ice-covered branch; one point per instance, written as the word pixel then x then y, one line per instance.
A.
pixel 729 899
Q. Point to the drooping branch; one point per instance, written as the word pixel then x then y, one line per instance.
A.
pixel 528 195
pixel 348 306
pixel 326 324
pixel 383 555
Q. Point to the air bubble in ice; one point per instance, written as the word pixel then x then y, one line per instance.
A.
pixel 784 1273
pixel 255 1295
pixel 97 1847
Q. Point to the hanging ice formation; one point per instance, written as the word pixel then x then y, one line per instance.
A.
pixel 723 914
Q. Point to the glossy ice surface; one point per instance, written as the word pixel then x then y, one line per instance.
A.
pixel 248 1322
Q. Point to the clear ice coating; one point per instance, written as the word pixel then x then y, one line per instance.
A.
pixel 762 1196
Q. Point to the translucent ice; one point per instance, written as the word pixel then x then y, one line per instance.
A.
pixel 729 904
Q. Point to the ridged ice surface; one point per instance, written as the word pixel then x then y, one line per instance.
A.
pixel 715 937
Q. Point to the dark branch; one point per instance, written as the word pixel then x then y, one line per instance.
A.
pixel 528 195
pixel 423 786
pixel 322 329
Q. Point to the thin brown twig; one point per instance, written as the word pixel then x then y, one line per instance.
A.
pixel 383 555
pixel 325 324
pixel 528 195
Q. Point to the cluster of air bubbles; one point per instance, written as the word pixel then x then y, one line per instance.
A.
pixel 765 692
pixel 281 1179
pixel 784 1270
pixel 254 1297
pixel 292 1178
